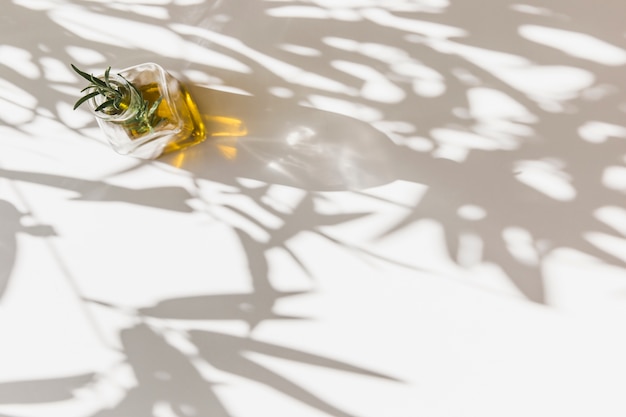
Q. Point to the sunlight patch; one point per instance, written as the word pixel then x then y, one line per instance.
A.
pixel 612 216
pixel 131 34
pixel 427 82
pixel 498 116
pixel 288 72
pixel 521 245
pixel 345 107
pixel 614 177
pixel 341 43
pixel 463 139
pixel 429 88
pixel 546 84
pixel 600 132
pixel 201 77
pixel 432 6
pixel 415 69
pixel 56 70
pixel 16 105
pixel 188 2
pixel 37 4
pixel 384 53
pixel 428 29
pixel 419 144
pixel 470 250
pixel 547 177
pixel 143 10
pixel 613 245
pixel 14 57
pixel 528 9
pixel 86 56
pixel 489 104
pixel 309 12
pixel 73 119
pixel 598 92
pixel 282 92
pixel 376 87
pixel 13 114
pixel 300 50
pixel 471 212
pixel 576 44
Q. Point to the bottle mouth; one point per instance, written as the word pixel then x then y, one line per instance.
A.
pixel 115 106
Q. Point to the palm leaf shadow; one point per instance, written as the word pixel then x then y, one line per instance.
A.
pixel 441 204
pixel 228 353
pixel 9 228
pixel 168 198
pixel 487 178
pixel 165 377
pixel 251 308
pixel 43 390
pixel 510 203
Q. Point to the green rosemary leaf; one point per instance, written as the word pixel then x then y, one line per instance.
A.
pixel 116 96
pixel 97 81
pixel 81 73
pixel 106 77
pixel 104 105
pixel 154 107
pixel 89 77
pixel 107 92
pixel 85 98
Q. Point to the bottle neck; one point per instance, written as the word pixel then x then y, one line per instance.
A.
pixel 129 104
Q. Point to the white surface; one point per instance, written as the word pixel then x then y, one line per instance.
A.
pixel 426 217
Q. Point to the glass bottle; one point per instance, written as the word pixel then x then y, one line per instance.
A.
pixel 158 114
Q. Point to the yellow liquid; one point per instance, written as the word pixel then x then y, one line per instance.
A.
pixel 193 119
pixel 188 127
pixel 192 130
pixel 224 126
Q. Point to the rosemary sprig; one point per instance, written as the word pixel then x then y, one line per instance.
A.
pixel 115 95
pixel 117 98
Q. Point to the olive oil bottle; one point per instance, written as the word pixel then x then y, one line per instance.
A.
pixel 144 111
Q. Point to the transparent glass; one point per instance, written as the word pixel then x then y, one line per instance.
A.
pixel 176 123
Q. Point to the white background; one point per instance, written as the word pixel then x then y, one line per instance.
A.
pixel 425 217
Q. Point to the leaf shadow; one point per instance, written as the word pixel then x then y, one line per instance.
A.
pixel 173 198
pixel 229 353
pixel 43 390
pixel 165 379
pixel 312 150
pixel 9 228
pixel 487 178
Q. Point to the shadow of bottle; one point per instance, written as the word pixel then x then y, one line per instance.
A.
pixel 275 141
